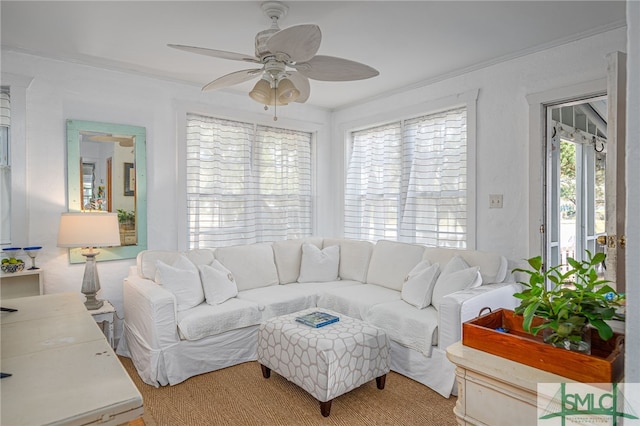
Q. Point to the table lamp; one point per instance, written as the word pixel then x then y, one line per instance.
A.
pixel 88 231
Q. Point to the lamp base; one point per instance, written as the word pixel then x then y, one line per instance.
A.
pixel 92 303
pixel 90 281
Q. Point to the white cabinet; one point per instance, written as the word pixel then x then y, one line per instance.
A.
pixel 496 391
pixel 20 284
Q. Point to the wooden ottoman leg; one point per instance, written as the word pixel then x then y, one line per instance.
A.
pixel 325 408
pixel 266 371
pixel 380 381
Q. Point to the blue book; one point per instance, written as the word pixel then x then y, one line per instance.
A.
pixel 317 319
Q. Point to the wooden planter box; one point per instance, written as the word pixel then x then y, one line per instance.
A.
pixel 604 365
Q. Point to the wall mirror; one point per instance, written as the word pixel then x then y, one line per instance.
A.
pixel 106 171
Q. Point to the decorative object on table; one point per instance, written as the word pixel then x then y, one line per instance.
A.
pixel 317 319
pixel 32 252
pixel 577 298
pixel 89 230
pixel 605 364
pixel 127 219
pixel 12 264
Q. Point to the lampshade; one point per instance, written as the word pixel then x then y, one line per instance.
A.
pixel 287 92
pixel 261 92
pixel 96 229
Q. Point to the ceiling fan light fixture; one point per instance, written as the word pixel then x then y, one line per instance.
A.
pixel 287 92
pixel 261 92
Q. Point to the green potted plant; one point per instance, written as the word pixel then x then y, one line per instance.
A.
pixel 576 299
pixel 126 218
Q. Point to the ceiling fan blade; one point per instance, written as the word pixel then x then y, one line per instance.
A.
pixel 302 84
pixel 300 42
pixel 216 53
pixel 330 68
pixel 232 78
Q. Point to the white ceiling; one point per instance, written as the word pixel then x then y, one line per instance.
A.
pixel 409 42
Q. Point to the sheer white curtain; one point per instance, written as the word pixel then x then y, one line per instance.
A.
pixel 408 181
pixel 374 184
pixel 435 211
pixel 246 183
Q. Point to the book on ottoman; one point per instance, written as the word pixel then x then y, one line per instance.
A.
pixel 317 319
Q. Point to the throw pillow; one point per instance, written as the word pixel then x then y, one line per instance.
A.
pixel 218 283
pixel 181 279
pixel 319 265
pixel 455 264
pixel 418 287
pixel 452 282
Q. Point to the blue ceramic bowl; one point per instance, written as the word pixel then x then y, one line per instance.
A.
pixel 10 268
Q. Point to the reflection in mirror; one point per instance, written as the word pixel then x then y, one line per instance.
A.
pixel 106 172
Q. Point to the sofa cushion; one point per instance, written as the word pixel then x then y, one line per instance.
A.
pixel 419 284
pixel 218 283
pixel 200 257
pixel 355 301
pixel 206 320
pixel 411 327
pixel 252 265
pixel 147 259
pixel 319 265
pixel 183 280
pixel 493 267
pixel 278 300
pixel 391 261
pixel 317 288
pixel 288 255
pixel 455 281
pixel 354 257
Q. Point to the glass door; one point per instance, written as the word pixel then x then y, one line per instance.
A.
pixel 576 196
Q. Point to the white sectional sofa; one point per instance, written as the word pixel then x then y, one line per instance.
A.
pixel 199 311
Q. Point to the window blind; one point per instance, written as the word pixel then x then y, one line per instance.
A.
pixel 246 183
pixel 408 181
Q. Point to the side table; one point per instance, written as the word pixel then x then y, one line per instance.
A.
pixel 105 314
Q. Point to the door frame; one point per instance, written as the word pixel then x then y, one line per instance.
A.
pixel 585 222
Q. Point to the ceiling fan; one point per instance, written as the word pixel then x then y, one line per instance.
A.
pixel 288 59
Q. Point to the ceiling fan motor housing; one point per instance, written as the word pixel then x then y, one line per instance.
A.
pixel 273 10
pixel 261 42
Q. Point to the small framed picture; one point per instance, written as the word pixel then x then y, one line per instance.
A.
pixel 129 179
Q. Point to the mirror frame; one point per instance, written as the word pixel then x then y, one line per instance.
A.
pixel 74 203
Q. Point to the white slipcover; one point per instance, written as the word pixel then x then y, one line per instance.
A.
pixel 391 262
pixel 156 336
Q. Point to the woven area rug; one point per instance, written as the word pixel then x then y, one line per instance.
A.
pixel 239 395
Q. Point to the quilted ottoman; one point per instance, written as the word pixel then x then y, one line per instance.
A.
pixel 327 361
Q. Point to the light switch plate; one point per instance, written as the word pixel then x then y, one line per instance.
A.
pixel 495 201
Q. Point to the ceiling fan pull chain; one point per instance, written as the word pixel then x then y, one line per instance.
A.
pixel 275 102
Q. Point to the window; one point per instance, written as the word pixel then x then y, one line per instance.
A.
pixel 407 181
pixel 5 166
pixel 246 183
